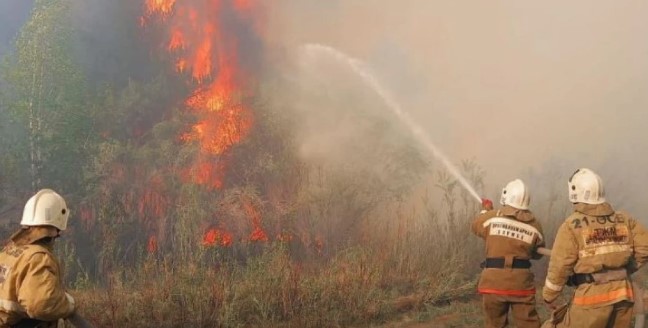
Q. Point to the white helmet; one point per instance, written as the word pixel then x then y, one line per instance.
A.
pixel 585 186
pixel 515 194
pixel 46 208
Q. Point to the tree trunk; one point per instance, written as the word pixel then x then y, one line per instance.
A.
pixel 34 108
pixel 32 133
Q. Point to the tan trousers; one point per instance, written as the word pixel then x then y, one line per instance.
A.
pixel 497 307
pixel 617 315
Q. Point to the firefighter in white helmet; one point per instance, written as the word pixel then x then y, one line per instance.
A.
pixel 31 287
pixel 511 234
pixel 595 250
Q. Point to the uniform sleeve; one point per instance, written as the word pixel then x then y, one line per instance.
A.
pixel 41 293
pixel 540 241
pixel 561 264
pixel 640 243
pixel 478 224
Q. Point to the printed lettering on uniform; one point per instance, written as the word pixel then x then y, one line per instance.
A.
pixel 605 239
pixel 15 251
pixel 611 235
pixel 513 229
pixel 4 273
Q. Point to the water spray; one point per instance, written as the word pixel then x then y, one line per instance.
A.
pixel 365 73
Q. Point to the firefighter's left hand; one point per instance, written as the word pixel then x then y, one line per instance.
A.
pixel 551 305
pixel 487 204
pixel 556 303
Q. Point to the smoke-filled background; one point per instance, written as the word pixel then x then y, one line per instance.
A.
pixel 517 86
pixel 13 13
pixel 213 129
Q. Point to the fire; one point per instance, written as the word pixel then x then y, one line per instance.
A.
pixel 258 234
pixel 215 237
pixel 206 173
pixel 164 7
pixel 181 65
pixel 204 51
pixel 208 56
pixel 152 246
pixel 221 131
pixel 177 40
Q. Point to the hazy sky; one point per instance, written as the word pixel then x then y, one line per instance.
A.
pixel 514 84
pixel 13 13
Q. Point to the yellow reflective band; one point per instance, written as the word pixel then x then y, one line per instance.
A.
pixel 552 286
pixel 603 250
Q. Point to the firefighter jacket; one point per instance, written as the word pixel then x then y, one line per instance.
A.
pixel 30 283
pixel 510 234
pixel 596 239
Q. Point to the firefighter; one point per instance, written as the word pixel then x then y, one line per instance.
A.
pixel 31 289
pixel 595 250
pixel 511 234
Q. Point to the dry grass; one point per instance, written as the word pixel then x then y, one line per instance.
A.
pixel 270 290
pixel 378 264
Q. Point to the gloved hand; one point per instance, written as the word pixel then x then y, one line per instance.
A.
pixel 487 204
pixel 72 303
pixel 552 305
pixel 550 298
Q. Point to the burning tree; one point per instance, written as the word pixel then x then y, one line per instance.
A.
pixel 198 160
pixel 184 161
pixel 205 41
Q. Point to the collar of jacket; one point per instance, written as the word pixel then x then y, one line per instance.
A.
pixel 604 209
pixel 520 215
pixel 30 235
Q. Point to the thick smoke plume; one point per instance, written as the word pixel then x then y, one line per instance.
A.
pixel 524 89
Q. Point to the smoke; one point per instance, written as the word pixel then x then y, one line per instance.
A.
pixel 112 47
pixel 530 90
pixel 13 14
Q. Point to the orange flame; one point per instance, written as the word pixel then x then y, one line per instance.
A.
pixel 215 237
pixel 151 246
pixel 181 65
pixel 177 40
pixel 203 49
pixel 198 40
pixel 206 173
pixel 164 7
pixel 258 234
